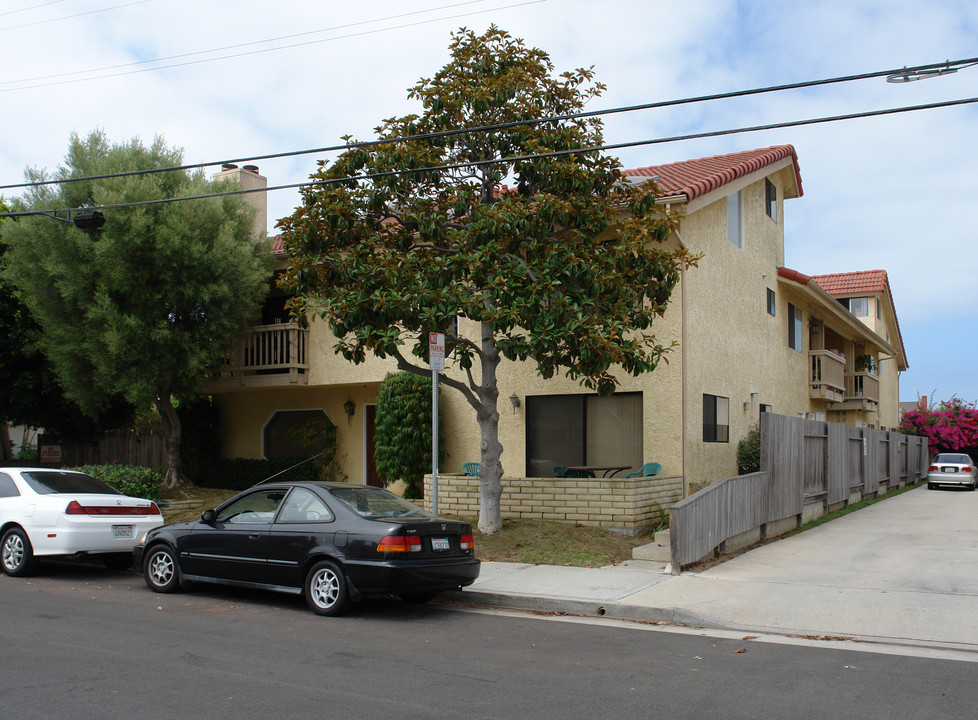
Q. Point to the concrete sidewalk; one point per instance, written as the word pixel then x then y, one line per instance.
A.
pixel 902 570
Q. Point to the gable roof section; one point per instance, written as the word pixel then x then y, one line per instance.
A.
pixel 694 178
pixel 859 283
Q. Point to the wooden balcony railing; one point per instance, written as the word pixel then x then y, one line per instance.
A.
pixel 267 355
pixel 827 372
pixel 863 387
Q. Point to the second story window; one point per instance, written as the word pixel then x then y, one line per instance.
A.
pixel 771 302
pixel 771 200
pixel 735 218
pixel 858 306
pixel 794 328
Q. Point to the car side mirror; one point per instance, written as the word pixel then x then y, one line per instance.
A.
pixel 207 517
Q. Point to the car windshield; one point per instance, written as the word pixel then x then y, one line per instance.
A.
pixel 52 482
pixel 371 502
pixel 953 458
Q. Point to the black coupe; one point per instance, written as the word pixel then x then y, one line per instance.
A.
pixel 331 542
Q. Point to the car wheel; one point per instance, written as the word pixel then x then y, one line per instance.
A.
pixel 117 561
pixel 18 555
pixel 931 486
pixel 418 598
pixel 325 589
pixel 160 569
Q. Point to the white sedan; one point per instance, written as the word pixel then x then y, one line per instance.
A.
pixel 47 513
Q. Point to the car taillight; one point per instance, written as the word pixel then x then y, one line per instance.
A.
pixel 76 508
pixel 966 469
pixel 932 468
pixel 400 543
pixel 466 542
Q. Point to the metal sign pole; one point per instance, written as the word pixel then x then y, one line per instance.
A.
pixel 436 359
pixel 434 441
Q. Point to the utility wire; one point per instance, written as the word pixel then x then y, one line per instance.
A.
pixel 520 123
pixel 515 159
pixel 76 15
pixel 266 50
pixel 233 47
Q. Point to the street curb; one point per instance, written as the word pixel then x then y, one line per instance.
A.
pixel 672 616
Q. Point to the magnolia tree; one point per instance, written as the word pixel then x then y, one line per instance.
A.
pixel 952 425
pixel 524 230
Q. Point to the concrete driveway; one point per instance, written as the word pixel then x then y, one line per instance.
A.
pixel 906 567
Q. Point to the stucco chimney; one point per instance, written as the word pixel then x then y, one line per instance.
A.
pixel 249 178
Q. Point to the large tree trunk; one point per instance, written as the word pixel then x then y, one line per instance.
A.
pixel 171 435
pixel 490 467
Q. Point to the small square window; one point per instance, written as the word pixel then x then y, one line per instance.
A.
pixel 771 302
pixel 771 200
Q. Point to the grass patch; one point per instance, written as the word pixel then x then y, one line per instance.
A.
pixel 541 542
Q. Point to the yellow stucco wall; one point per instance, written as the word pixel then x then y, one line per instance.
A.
pixel 728 346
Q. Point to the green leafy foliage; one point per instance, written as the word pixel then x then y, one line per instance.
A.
pixel 131 480
pixel 404 431
pixel 146 306
pixel 749 452
pixel 565 264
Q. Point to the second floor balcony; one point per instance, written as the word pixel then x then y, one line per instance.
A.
pixel 268 355
pixel 826 377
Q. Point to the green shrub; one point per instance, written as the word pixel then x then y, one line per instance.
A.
pixel 133 480
pixel 749 452
pixel 404 431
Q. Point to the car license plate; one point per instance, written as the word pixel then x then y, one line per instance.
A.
pixel 949 469
pixel 440 544
pixel 122 531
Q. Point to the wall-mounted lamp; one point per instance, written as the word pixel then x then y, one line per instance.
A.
pixel 746 405
pixel 349 408
pixel 515 400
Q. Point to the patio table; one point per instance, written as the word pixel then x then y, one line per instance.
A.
pixel 607 470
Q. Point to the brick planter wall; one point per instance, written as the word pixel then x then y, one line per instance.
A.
pixel 630 506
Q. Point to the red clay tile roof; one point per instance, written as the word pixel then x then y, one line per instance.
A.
pixel 856 283
pixel 693 178
pixel 278 245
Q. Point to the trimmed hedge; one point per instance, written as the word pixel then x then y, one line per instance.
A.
pixel 243 473
pixel 134 480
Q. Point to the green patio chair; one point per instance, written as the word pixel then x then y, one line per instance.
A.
pixel 471 469
pixel 647 470
pixel 559 471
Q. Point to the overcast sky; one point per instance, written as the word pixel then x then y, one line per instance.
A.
pixel 237 79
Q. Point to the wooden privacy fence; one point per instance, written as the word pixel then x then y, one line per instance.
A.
pixel 148 451
pixel 807 468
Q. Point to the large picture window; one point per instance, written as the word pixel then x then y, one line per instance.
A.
pixel 716 418
pixel 582 430
pixel 282 436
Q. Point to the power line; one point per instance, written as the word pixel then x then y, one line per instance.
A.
pixel 947 66
pixel 518 158
pixel 231 47
pixel 30 7
pixel 71 17
pixel 266 50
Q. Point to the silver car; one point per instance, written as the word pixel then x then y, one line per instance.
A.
pixel 952 469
